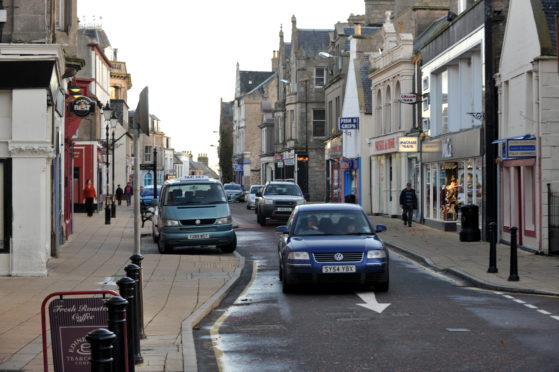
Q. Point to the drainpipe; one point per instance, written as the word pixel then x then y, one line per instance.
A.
pixel 538 174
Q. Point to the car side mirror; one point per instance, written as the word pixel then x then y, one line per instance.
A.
pixel 380 228
pixel 259 194
pixel 282 229
pixel 155 202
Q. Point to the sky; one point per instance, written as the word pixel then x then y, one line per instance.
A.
pixel 186 52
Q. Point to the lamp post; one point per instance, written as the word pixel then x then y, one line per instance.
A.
pixel 114 122
pixel 107 113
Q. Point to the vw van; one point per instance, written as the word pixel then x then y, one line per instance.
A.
pixel 193 211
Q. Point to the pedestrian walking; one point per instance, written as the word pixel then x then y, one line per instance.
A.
pixel 89 196
pixel 128 191
pixel 119 192
pixel 408 202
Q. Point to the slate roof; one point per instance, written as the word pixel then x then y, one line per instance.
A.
pixel 259 86
pixel 349 31
pixel 366 84
pixel 251 79
pixel 313 41
pixel 426 36
pixel 196 165
pixel 98 35
pixel 287 50
pixel 551 10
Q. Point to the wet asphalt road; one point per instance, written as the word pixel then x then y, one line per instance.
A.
pixel 433 323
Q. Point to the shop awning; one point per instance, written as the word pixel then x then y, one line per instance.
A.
pixel 524 137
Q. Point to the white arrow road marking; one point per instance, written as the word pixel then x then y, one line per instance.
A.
pixel 371 302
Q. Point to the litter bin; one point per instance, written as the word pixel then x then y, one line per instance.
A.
pixel 470 224
pixel 349 198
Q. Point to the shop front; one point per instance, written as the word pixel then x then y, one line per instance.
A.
pixel 452 169
pixel 334 182
pixel 391 170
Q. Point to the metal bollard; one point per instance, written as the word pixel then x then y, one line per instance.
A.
pixel 126 290
pixel 492 248
pixel 117 324
pixel 133 272
pixel 513 276
pixel 137 260
pixel 101 341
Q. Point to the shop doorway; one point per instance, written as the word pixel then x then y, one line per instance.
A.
pixel 553 220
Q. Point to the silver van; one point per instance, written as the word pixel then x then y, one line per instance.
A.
pixel 193 211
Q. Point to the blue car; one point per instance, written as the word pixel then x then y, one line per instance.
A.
pixel 331 243
pixel 146 195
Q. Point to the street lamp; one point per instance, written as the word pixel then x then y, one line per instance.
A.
pixel 114 122
pixel 107 113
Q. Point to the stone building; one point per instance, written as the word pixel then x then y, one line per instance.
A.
pixel 37 62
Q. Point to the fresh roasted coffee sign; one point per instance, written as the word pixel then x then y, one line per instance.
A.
pixel 70 321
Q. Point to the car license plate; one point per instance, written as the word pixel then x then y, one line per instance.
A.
pixel 198 236
pixel 338 269
pixel 284 209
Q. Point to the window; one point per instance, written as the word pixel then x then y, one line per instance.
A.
pixel 293 129
pixel 148 154
pixel 319 77
pixel 318 121
pixel 148 179
pixel 337 110
pixel 330 122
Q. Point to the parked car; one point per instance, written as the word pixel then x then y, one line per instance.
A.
pixel 277 201
pixel 251 197
pixel 146 195
pixel 234 192
pixel 331 243
pixel 193 211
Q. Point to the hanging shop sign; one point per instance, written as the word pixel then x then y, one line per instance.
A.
pixel 408 144
pixel 82 106
pixel 349 123
pixel 408 98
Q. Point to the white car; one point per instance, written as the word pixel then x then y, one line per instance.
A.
pixel 251 196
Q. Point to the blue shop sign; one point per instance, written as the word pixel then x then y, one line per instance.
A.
pixel 518 147
pixel 349 123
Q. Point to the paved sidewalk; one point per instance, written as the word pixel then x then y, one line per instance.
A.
pixel 470 260
pixel 178 291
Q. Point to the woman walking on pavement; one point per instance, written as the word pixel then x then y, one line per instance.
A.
pixel 89 195
pixel 128 191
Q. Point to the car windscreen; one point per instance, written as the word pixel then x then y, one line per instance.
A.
pixel 200 193
pixel 232 187
pixel 284 189
pixel 148 191
pixel 255 189
pixel 332 223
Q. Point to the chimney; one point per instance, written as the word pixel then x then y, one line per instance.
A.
pixel 357 28
pixel 203 158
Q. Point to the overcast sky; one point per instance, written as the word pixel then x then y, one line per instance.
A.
pixel 186 52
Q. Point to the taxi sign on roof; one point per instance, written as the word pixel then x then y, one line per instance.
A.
pixel 194 177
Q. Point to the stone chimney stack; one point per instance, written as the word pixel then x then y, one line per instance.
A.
pixel 203 158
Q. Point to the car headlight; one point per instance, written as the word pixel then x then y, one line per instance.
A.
pixel 302 201
pixel 298 256
pixel 170 222
pixel 377 253
pixel 223 220
pixel 268 201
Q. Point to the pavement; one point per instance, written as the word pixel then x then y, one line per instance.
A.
pixel 179 290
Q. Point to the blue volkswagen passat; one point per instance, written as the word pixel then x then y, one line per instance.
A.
pixel 331 243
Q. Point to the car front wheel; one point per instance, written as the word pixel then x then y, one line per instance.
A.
pixel 163 247
pixel 229 248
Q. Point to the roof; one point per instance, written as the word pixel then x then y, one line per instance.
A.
pixel 329 207
pixel 366 84
pixel 433 30
pixel 98 35
pixel 545 12
pixel 263 83
pixel 313 41
pixel 251 79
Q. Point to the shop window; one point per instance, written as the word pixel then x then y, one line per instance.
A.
pixel 528 193
pixel 449 191
pixel 428 192
pixel 148 179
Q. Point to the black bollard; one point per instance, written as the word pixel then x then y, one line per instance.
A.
pixel 513 277
pixel 117 325
pixel 137 260
pixel 492 248
pixel 101 341
pixel 133 272
pixel 126 290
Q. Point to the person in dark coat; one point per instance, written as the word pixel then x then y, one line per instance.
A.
pixel 408 202
pixel 119 192
pixel 128 191
pixel 89 195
